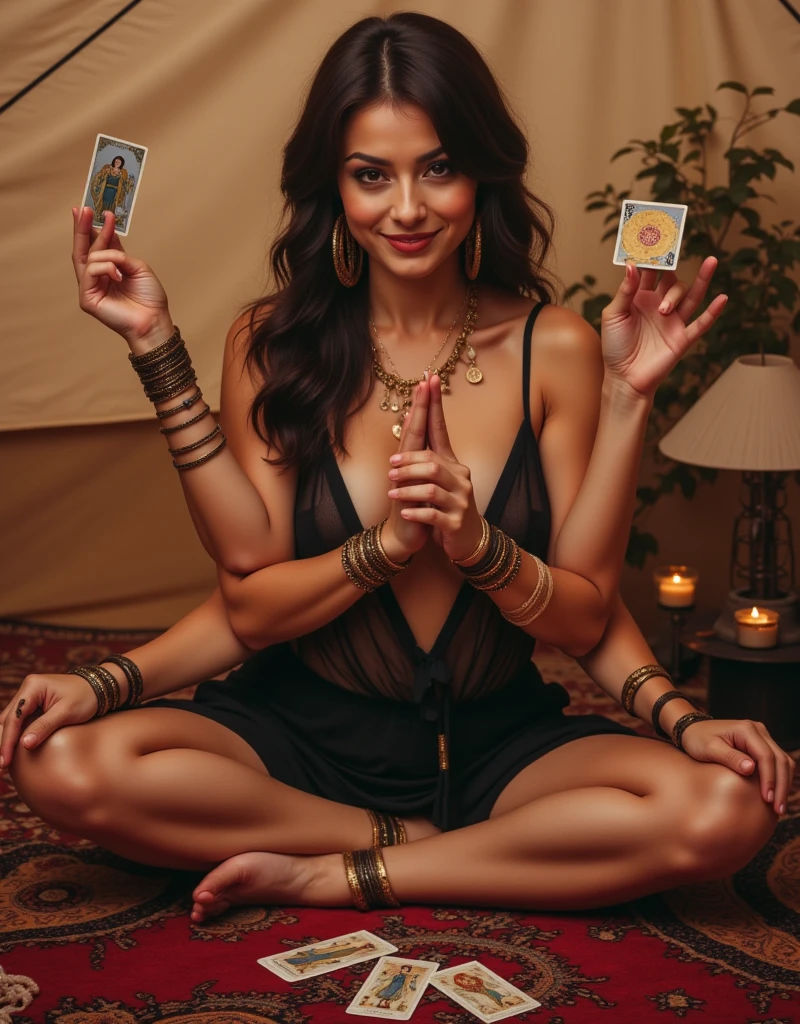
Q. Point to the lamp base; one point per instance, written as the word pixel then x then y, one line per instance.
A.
pixel 788 607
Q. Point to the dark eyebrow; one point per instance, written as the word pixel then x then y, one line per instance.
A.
pixel 386 163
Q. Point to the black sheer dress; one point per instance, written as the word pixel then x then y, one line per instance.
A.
pixel 357 712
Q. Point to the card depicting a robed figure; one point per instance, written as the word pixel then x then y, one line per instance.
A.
pixel 113 182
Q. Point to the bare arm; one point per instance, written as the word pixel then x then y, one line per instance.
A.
pixel 621 650
pixel 200 645
pixel 229 497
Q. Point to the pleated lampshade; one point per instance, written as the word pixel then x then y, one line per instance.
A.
pixel 749 419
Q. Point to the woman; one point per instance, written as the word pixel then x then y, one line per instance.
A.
pixel 411 233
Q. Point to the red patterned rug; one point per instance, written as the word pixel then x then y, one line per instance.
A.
pixel 109 941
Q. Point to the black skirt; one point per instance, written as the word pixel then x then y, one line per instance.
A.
pixel 384 754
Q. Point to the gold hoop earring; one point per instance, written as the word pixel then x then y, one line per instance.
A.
pixel 472 250
pixel 348 256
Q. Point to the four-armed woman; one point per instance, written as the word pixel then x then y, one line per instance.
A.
pixel 391 739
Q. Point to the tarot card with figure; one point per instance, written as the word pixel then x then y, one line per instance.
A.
pixel 482 992
pixel 393 989
pixel 113 182
pixel 650 234
pixel 330 955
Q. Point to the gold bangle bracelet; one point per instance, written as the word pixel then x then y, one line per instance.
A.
pixel 480 548
pixel 357 893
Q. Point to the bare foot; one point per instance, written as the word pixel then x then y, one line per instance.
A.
pixel 270 878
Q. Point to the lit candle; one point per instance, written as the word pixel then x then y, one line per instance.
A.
pixel 676 591
pixel 756 628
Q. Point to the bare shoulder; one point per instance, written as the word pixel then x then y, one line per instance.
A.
pixel 562 334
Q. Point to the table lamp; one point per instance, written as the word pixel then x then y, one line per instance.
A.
pixel 749 420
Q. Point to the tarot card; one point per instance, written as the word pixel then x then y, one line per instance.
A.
pixel 330 955
pixel 113 182
pixel 650 234
pixel 393 989
pixel 482 992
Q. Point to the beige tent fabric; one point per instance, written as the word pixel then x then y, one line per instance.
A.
pixel 94 527
pixel 213 89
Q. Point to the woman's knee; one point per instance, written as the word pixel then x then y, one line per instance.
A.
pixel 724 823
pixel 61 780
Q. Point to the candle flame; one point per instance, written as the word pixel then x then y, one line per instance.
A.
pixel 676 578
pixel 754 613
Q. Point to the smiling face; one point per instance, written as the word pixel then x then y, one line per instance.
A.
pixel 405 203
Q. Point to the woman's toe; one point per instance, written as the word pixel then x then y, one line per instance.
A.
pixel 221 878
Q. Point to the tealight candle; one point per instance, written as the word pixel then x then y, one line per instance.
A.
pixel 756 627
pixel 676 586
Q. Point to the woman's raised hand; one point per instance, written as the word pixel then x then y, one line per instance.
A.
pixel 646 327
pixel 43 704
pixel 437 485
pixel 401 536
pixel 118 290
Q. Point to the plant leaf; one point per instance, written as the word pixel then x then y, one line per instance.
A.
pixel 763 90
pixel 793 107
pixel 621 152
pixel 737 86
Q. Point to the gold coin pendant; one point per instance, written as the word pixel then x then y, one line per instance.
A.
pixel 397 430
pixel 474 375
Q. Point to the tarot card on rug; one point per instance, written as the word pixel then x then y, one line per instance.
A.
pixel 113 182
pixel 330 955
pixel 650 234
pixel 482 992
pixel 393 989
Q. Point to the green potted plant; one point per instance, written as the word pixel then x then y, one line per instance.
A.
pixel 728 219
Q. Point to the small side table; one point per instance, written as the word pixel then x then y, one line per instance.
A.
pixel 763 685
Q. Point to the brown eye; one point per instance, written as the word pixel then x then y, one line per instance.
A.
pixel 441 169
pixel 362 175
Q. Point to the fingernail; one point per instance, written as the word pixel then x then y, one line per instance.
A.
pixel 119 276
pixel 770 796
pixel 393 493
pixel 395 459
pixel 29 740
pixel 2 762
pixel 782 809
pixel 393 474
pixel 746 765
pixel 665 307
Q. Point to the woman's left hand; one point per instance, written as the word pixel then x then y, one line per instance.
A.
pixel 437 479
pixel 646 329
pixel 742 745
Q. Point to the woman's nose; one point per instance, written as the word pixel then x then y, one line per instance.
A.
pixel 408 208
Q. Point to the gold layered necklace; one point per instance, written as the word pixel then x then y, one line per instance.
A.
pixel 398 390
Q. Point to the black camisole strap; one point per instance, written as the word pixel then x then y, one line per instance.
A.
pixel 526 359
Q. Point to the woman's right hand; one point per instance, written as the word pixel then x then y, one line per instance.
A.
pixel 401 538
pixel 43 704
pixel 121 292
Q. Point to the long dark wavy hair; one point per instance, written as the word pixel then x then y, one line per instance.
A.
pixel 309 341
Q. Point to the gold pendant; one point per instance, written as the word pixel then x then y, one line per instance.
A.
pixel 394 407
pixel 397 430
pixel 385 402
pixel 474 375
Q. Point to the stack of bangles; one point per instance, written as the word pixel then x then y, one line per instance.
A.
pixel 366 563
pixel 165 373
pixel 495 563
pixel 636 680
pixel 105 686
pixel 365 869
